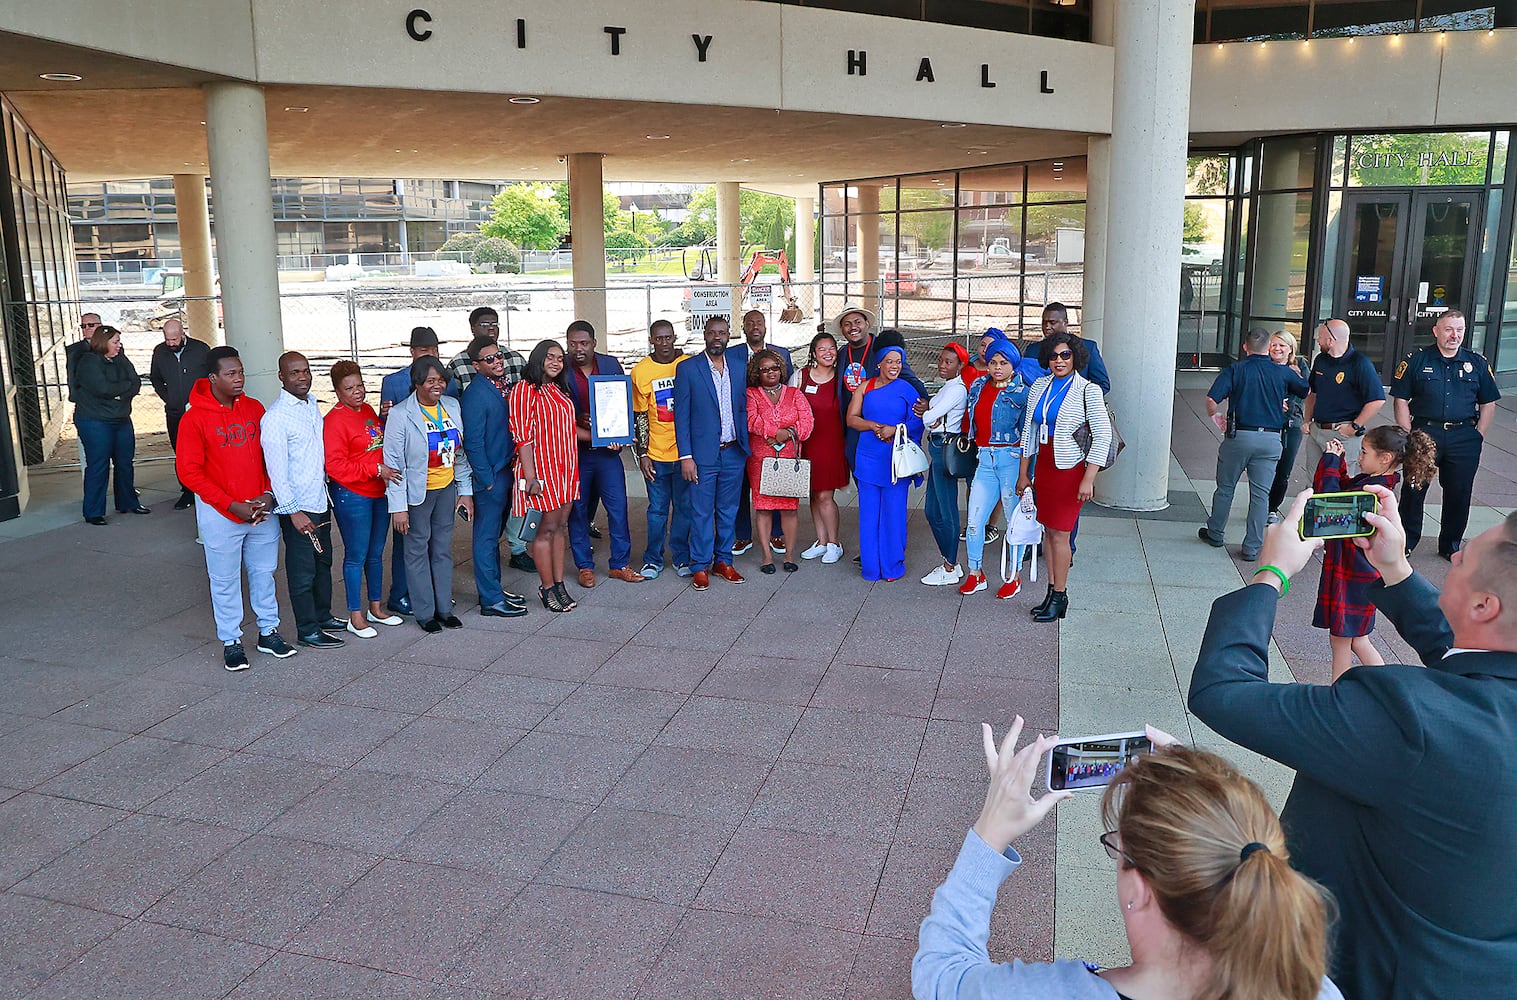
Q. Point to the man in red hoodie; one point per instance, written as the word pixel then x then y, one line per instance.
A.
pixel 220 460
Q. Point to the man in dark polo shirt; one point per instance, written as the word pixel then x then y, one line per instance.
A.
pixel 1254 390
pixel 1446 390
pixel 1345 395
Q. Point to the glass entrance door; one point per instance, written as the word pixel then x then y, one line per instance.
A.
pixel 1408 257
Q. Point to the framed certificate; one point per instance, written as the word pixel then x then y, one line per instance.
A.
pixel 610 410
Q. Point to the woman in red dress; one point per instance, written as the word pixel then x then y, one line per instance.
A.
pixel 778 421
pixel 817 383
pixel 547 463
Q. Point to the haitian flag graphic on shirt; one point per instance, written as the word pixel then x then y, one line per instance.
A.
pixel 663 399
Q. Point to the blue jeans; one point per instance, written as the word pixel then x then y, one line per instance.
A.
pixel 363 522
pixel 490 508
pixel 713 508
pixel 107 443
pixel 942 503
pixel 994 479
pixel 667 490
pixel 601 477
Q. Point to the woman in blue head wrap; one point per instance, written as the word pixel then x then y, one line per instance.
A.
pixel 996 405
pixel 881 404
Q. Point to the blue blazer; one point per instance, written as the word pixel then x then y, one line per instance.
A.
pixel 487 433
pixel 698 416
pixel 740 354
pixel 396 386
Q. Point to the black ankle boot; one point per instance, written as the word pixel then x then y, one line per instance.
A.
pixel 1058 606
pixel 1038 609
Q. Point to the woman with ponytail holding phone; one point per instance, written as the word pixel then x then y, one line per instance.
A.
pixel 1205 890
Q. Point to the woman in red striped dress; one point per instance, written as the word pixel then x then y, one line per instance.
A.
pixel 547 463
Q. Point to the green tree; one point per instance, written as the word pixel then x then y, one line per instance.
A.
pixel 498 252
pixel 1195 230
pixel 766 220
pixel 525 218
pixel 463 243
pixel 611 205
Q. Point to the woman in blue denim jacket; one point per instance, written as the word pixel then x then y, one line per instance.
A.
pixel 995 408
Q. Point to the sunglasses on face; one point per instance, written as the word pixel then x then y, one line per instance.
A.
pixel 767 369
pixel 489 359
pixel 1062 355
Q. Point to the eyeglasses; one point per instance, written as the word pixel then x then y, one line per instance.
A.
pixel 1111 840
pixel 89 326
pixel 766 369
pixel 489 359
pixel 488 322
pixel 1062 355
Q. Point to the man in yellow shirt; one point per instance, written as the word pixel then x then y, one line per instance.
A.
pixel 657 453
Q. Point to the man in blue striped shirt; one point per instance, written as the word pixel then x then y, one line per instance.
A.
pixel 291 434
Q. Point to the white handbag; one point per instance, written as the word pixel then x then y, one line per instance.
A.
pixel 906 459
pixel 785 477
pixel 1023 531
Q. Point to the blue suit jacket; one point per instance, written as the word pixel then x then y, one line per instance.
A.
pixel 487 433
pixel 1095 371
pixel 698 416
pixel 396 386
pixel 1402 801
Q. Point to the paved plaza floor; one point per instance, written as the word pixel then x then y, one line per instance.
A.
pixel 748 792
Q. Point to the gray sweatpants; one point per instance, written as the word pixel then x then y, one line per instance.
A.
pixel 429 553
pixel 1254 452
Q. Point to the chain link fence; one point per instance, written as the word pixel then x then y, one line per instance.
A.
pixel 371 322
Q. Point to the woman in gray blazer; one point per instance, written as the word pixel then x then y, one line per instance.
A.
pixel 424 440
pixel 1059 404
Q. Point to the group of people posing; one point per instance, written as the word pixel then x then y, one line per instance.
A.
pixel 1277 403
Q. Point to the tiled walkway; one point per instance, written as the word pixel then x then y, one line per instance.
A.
pixel 744 793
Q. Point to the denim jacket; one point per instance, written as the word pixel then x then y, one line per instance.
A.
pixel 1005 413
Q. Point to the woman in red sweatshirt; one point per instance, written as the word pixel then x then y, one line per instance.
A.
pixel 354 440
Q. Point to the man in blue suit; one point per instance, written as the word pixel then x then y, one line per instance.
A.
pixel 602 476
pixel 1056 320
pixel 394 388
pixel 490 449
pixel 711 430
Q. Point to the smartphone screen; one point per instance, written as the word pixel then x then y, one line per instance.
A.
pixel 1338 515
pixel 1093 761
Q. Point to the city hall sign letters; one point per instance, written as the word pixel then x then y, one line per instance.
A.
pixel 421 26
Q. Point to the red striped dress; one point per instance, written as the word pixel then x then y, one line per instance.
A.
pixel 544 418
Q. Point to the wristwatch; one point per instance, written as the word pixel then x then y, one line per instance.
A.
pixel 1358 428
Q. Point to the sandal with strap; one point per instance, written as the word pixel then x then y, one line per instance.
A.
pixel 551 600
pixel 562 591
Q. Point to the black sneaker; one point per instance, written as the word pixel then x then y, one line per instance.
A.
pixel 235 658
pixel 275 646
pixel 523 562
pixel 319 640
pixel 186 501
pixel 400 607
pixel 449 621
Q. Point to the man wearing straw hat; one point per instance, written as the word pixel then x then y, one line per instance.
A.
pixel 859 361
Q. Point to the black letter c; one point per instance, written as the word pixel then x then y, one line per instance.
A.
pixel 418 15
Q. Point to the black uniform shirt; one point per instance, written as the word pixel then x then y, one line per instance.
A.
pixel 1343 385
pixel 1444 389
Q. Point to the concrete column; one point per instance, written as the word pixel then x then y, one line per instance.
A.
pixel 1097 198
pixel 238 139
pixel 1150 121
pixel 867 241
pixel 194 216
pixel 587 235
pixel 803 268
pixel 729 233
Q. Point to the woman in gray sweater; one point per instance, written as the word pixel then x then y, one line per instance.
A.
pixel 105 384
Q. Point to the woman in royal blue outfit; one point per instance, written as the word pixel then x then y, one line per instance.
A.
pixel 880 405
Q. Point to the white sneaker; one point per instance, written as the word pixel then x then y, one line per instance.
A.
pixel 815 551
pixel 1274 517
pixel 833 554
pixel 741 547
pixel 940 577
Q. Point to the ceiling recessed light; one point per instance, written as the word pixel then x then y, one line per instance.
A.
pixel 954 125
pixel 743 159
pixel 655 137
pixel 978 152
pixel 61 77
pixel 524 100
pixel 298 111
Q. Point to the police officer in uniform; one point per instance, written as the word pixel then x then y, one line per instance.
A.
pixel 1255 390
pixel 1447 391
pixel 1346 393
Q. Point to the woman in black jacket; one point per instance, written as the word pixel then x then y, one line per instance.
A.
pixel 106 383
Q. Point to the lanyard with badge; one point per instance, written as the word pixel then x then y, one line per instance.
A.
pixel 445 443
pixel 1049 403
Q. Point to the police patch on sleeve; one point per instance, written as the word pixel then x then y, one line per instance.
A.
pixel 1400 369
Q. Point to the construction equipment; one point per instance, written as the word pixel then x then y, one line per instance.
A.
pixel 705 271
pixel 792 311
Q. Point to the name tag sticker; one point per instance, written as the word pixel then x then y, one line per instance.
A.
pixel 811 390
pixel 1042 434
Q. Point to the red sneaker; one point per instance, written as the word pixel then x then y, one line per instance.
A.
pixel 1009 590
pixel 973 584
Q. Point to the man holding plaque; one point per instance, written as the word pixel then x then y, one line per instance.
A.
pixel 602 477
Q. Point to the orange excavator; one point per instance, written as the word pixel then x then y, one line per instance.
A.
pixel 706 271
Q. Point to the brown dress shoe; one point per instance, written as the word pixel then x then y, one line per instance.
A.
pixel 726 572
pixel 701 580
pixel 587 578
pixel 627 575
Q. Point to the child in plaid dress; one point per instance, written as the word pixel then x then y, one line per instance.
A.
pixel 1343 605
